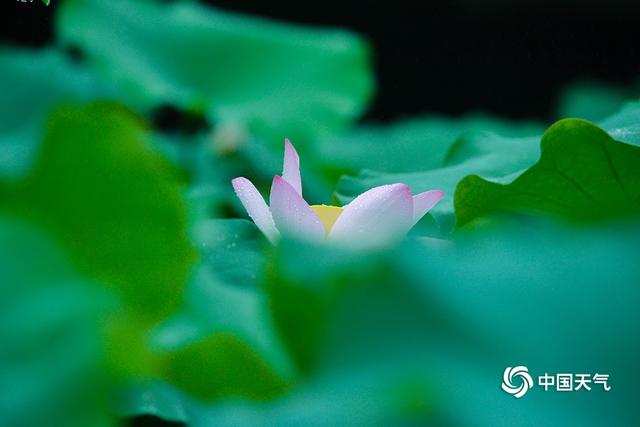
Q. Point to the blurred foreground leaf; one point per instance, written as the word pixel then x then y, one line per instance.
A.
pixel 223 343
pixel 458 315
pixel 51 345
pixel 356 398
pixel 116 206
pixel 223 366
pixel 114 202
pixel 33 84
pixel 421 335
pixel 554 299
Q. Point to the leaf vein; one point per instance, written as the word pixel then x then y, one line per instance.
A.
pixel 615 172
pixel 573 182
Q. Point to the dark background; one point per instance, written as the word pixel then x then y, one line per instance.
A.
pixel 506 57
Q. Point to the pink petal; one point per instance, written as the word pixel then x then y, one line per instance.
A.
pixel 292 215
pixel 423 202
pixel 291 167
pixel 375 217
pixel 256 207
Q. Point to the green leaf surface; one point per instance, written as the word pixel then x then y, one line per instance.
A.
pixel 232 250
pixel 222 366
pixel 460 314
pixel 301 291
pixel 422 335
pixel 109 295
pixel 223 342
pixel 34 82
pixel 481 152
pixel 411 145
pixel 555 299
pixel 266 77
pixel 114 203
pixel 50 339
pixel 359 399
pixel 479 157
pixel 583 174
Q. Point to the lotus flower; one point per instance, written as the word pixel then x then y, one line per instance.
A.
pixel 376 217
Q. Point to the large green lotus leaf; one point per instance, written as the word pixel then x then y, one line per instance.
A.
pixel 232 250
pixel 223 366
pixel 423 334
pixel 593 101
pixel 266 77
pixel 302 285
pixel 411 145
pixel 458 315
pixel 51 347
pixel 361 397
pixel 583 174
pixel 223 342
pixel 33 83
pixel 492 157
pixel 357 398
pixel 553 299
pixel 116 206
pixel 335 307
pixel 483 153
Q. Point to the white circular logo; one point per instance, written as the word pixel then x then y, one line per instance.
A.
pixel 521 375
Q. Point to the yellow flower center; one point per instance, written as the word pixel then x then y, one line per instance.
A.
pixel 327 214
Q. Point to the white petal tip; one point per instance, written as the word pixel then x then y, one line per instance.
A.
pixel 423 202
pixel 439 194
pixel 236 182
pixel 255 207
pixel 291 167
pixel 290 149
